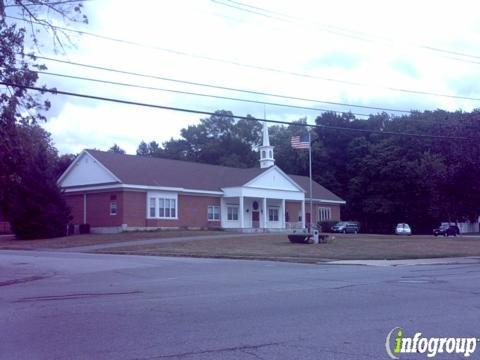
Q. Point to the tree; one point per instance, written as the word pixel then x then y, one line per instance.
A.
pixel 218 139
pixel 23 173
pixel 150 149
pixel 116 149
pixel 35 207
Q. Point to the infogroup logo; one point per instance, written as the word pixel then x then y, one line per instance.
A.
pixel 397 343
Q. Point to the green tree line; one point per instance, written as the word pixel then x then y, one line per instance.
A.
pixel 384 178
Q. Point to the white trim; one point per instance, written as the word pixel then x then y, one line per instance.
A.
pixel 327 201
pixel 142 187
pixel 116 207
pixel 77 159
pixel 277 208
pixel 213 212
pixel 272 168
pixel 234 206
pixel 162 196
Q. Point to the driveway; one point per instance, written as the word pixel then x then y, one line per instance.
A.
pixel 89 306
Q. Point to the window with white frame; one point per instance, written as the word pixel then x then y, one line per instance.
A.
pixel 232 212
pixel 324 213
pixel 213 213
pixel 152 209
pixel 162 208
pixel 273 214
pixel 113 207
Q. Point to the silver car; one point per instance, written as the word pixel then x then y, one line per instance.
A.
pixel 403 229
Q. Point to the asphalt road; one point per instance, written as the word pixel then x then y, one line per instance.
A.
pixel 81 306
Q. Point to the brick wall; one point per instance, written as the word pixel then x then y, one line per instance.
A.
pixel 135 208
pixel 334 210
pixel 293 210
pixel 192 212
pixel 98 208
pixel 132 210
pixel 75 203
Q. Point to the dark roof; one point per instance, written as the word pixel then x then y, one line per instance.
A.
pixel 150 171
pixel 319 192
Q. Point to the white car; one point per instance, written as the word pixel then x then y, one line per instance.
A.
pixel 403 229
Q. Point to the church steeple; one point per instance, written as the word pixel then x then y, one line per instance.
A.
pixel 266 151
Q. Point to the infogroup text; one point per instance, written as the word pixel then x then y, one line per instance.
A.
pixel 397 343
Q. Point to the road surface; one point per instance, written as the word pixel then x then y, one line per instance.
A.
pixel 90 306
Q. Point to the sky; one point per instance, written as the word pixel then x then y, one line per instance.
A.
pixel 352 52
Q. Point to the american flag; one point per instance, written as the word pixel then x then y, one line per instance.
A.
pixel 300 142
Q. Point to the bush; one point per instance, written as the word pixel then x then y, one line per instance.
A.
pixel 326 226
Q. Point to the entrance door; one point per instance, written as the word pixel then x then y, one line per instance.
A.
pixel 255 219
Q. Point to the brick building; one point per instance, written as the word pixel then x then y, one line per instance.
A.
pixel 115 192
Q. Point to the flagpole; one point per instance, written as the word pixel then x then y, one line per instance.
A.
pixel 310 166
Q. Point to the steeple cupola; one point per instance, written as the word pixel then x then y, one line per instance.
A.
pixel 266 151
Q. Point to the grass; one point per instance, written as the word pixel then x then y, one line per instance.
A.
pixel 92 239
pixel 343 247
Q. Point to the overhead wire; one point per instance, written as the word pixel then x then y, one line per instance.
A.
pixel 248 118
pixel 253 92
pixel 256 67
pixel 355 34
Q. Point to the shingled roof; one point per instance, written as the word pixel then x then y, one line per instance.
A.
pixel 150 171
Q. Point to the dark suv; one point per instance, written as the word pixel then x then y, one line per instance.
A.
pixel 446 230
pixel 345 227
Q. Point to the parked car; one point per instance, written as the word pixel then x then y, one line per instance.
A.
pixel 446 230
pixel 345 227
pixel 403 229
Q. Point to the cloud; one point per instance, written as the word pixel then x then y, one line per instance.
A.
pixel 377 43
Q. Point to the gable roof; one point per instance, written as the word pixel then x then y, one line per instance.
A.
pixel 150 171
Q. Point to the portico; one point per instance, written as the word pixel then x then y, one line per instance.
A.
pixel 262 203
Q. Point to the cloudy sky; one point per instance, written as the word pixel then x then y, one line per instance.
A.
pixel 353 52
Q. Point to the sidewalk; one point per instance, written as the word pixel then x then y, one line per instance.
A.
pixel 409 262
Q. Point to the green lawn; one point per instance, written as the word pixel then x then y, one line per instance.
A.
pixel 91 239
pixel 343 247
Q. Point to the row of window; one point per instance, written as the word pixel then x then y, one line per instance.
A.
pixel 167 209
pixel 162 208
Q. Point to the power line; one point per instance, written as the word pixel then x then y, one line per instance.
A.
pixel 337 30
pixel 222 87
pixel 251 66
pixel 197 94
pixel 192 111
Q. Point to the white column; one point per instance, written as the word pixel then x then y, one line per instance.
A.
pixel 265 212
pixel 282 214
pixel 241 211
pixel 84 208
pixel 303 214
pixel 223 213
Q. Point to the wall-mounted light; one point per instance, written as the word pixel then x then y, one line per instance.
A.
pixel 248 210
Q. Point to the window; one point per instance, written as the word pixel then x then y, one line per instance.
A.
pixel 264 154
pixel 232 213
pixel 167 208
pixel 153 207
pixel 163 208
pixel 324 213
pixel 273 214
pixel 270 152
pixel 113 208
pixel 213 213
